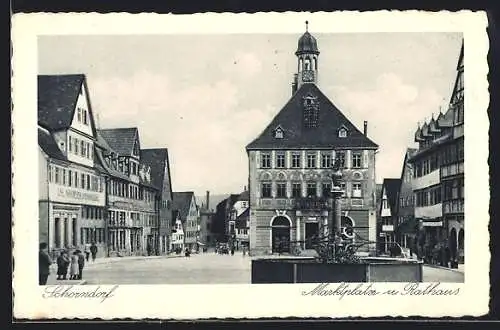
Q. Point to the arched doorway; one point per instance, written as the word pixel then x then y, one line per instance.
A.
pixel 461 245
pixel 452 243
pixel 280 235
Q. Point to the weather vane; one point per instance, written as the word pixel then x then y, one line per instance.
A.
pixel 307 23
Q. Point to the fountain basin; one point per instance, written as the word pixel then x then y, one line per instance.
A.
pixel 309 270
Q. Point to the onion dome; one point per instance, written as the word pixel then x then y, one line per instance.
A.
pixel 307 44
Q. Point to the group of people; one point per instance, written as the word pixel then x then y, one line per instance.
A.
pixel 69 263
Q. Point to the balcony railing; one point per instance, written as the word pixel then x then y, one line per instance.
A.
pixel 452 169
pixel 311 203
pixel 453 206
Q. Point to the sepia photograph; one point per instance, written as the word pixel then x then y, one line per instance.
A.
pixel 290 156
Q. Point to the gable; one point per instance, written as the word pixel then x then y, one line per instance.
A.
pixel 83 120
pixel 310 125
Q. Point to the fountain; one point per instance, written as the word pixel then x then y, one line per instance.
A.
pixel 337 260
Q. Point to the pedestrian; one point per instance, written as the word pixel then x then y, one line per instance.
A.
pixel 87 252
pixel 81 264
pixel 232 250
pixel 187 253
pixel 93 251
pixel 148 249
pixel 244 248
pixel 44 262
pixel 62 265
pixel 73 270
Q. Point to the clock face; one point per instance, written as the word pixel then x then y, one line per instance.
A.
pixel 308 76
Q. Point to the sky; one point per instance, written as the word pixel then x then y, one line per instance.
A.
pixel 205 97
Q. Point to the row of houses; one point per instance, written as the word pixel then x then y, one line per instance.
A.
pixel 98 185
pixel 424 208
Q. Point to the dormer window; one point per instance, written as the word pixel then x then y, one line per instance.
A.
pixel 278 133
pixel 342 132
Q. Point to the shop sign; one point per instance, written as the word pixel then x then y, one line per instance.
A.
pixel 387 228
pixel 432 223
pixel 71 195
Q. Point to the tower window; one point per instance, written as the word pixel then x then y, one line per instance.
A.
pixel 307 64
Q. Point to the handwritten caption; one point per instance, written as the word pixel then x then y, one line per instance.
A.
pixel 364 289
pixel 78 291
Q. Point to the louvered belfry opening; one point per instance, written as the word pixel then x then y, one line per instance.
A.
pixel 311 111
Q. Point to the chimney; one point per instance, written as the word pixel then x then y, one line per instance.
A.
pixel 208 200
pixel 365 129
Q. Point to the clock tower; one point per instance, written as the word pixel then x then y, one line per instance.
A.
pixel 307 59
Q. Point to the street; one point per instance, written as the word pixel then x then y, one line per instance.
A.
pixel 207 268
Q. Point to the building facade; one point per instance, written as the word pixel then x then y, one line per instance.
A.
pixel 206 223
pixel 389 214
pixel 438 181
pixel 185 204
pixel 290 166
pixel 406 229
pixel 132 198
pixel 157 159
pixel 72 192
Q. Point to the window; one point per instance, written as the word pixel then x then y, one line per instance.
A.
pixel 278 133
pixel 85 122
pixel 82 148
pixel 70 144
pixel 340 157
pixel 266 189
pixel 265 160
pixel 356 160
pixel 280 160
pixel 82 181
pixel 296 190
pixel 384 204
pixel 343 188
pixel 79 115
pixel 342 133
pixel 296 160
pixel 70 178
pixel 281 190
pixel 88 181
pixel 311 160
pixel 311 189
pixel 326 189
pixel 63 176
pixel 356 189
pixel 326 160
pixel 57 175
pixel 461 150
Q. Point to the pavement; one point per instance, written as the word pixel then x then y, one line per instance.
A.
pixel 204 268
pixel 98 263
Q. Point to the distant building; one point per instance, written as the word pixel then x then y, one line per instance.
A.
pixel 407 227
pixel 438 178
pixel 206 219
pixel 177 232
pixel 72 191
pixel 159 162
pixel 290 164
pixel 221 220
pixel 185 204
pixel 239 224
pixel 389 213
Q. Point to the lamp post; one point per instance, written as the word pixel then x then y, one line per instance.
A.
pixel 334 216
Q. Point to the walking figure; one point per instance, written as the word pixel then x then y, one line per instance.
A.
pixel 44 262
pixel 62 265
pixel 93 251
pixel 81 264
pixel 73 271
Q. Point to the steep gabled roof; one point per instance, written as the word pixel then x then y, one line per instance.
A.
pixel 157 159
pixel 408 154
pixel 48 144
pixel 120 140
pixel 181 202
pixel 241 220
pixel 296 135
pixel 57 97
pixel 391 188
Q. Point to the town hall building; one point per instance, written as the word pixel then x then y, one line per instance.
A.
pixel 290 164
